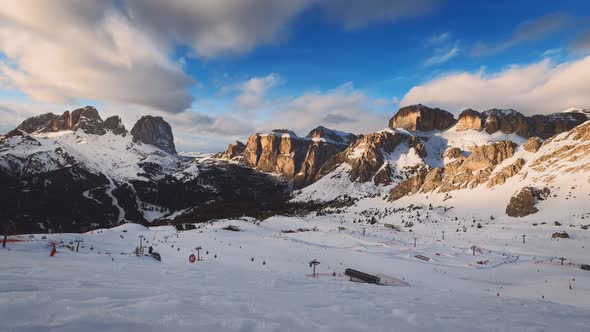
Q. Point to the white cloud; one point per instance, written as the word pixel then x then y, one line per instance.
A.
pixel 343 108
pixel 538 88
pixel 442 55
pixel 438 39
pixel 61 51
pixel 252 95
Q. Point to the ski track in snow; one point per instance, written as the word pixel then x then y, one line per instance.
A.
pixel 115 203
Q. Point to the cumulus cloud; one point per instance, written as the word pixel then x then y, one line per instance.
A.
pixel 61 51
pixel 539 88
pixel 343 108
pixel 527 31
pixel 216 27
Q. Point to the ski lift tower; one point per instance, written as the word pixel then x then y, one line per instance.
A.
pixel 312 264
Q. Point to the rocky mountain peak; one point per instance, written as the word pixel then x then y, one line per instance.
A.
pixel 322 133
pixel 421 118
pixel 155 131
pixel 86 119
pixel 234 150
pixel 470 119
pixel 114 124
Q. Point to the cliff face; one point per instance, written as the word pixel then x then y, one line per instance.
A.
pixel 470 119
pixel 511 121
pixel 299 158
pixel 421 118
pixel 371 157
pixel 155 131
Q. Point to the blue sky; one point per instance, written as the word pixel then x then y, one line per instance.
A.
pixel 219 70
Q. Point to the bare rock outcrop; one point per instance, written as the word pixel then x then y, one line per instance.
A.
pixel 506 121
pixel 452 153
pixel 522 204
pixel 115 125
pixel 546 126
pixel 407 187
pixel 232 152
pixel 155 131
pixel 421 118
pixel 470 119
pixel 533 144
pixel 506 173
pixel 469 172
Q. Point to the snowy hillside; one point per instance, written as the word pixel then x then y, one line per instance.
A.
pixel 259 279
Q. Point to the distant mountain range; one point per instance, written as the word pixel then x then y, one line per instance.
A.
pixel 76 172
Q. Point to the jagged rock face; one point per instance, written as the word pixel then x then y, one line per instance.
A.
pixel 367 158
pixel 371 148
pixel 452 153
pixel 278 152
pixel 533 144
pixel 506 173
pixel 571 157
pixel 155 131
pixel 546 126
pixel 299 158
pixel 421 118
pixel 407 187
pixel 36 123
pixel 522 204
pixel 506 121
pixel 462 172
pixel 115 125
pixel 86 119
pixel 470 119
pixel 233 151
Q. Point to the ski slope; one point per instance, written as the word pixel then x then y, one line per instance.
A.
pixel 105 287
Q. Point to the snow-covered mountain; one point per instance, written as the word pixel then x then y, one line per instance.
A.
pixel 75 172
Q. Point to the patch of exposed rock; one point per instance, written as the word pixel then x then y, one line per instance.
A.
pixel 533 144
pixel 368 158
pixel 523 203
pixel 421 118
pixel 506 173
pixel 407 187
pixel 546 126
pixel 322 133
pixel 155 131
pixel 462 172
pixel 474 170
pixel 452 153
pixel 560 235
pixel 233 151
pixel 470 119
pixel 506 121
